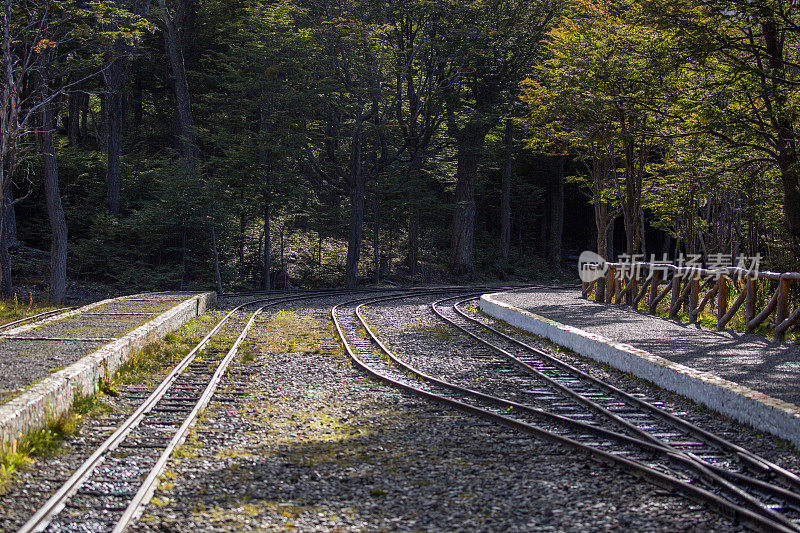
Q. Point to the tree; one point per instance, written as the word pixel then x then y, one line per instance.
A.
pixel 126 18
pixel 745 54
pixel 39 51
pixel 493 43
pixel 599 93
pixel 355 139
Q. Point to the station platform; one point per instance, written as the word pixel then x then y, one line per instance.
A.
pixel 44 364
pixel 747 377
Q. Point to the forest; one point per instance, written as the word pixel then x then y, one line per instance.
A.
pixel 180 144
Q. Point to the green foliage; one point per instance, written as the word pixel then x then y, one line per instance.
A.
pixel 664 109
pixel 43 442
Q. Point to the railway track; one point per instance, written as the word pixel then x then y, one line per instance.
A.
pixel 110 488
pixel 108 491
pixel 34 318
pixel 760 483
pixel 560 403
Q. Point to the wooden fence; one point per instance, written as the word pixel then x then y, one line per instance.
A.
pixel 692 289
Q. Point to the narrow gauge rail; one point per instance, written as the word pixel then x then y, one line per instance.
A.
pixel 683 472
pixel 106 493
pixel 752 480
pixel 35 318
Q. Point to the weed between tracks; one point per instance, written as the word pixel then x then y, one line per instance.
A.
pixel 160 354
pixel 18 308
pixel 438 332
pixel 294 331
pixel 48 441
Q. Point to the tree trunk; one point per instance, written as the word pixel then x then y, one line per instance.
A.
pixel 265 277
pixel 791 202
pixel 505 202
pixel 470 147
pixel 556 215
pixel 775 51
pixel 242 232
pixel 604 226
pixel 113 78
pixel 354 238
pixel 376 239
pixel 57 290
pixel 413 241
pixel 265 126
pixel 215 251
pixel 84 128
pixel 183 103
pixel 415 174
pixel 6 285
pixel 544 229
pixel 11 218
pixel 632 201
pixel 74 119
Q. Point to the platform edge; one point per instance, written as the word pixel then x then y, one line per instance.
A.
pixel 743 404
pixel 54 395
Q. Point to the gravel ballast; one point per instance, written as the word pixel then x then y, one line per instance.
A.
pixel 313 445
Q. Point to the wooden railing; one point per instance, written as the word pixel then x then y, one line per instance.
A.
pixel 692 289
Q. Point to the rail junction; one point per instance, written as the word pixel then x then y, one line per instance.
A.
pixel 433 347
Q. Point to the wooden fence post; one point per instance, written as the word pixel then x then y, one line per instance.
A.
pixel 600 291
pixel 722 298
pixel 782 309
pixel 750 304
pixel 633 290
pixel 676 293
pixel 694 293
pixel 656 280
pixel 611 284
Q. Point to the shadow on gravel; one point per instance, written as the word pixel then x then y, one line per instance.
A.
pixel 419 474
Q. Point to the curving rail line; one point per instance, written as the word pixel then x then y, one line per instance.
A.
pixel 607 436
pixel 773 492
pixel 108 491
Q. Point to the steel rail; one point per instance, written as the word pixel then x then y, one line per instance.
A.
pixel 759 463
pixel 711 473
pixel 53 506
pixel 42 517
pixel 36 317
pixel 145 491
pixel 724 506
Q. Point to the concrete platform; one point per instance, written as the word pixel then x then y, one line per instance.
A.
pixel 747 377
pixel 45 364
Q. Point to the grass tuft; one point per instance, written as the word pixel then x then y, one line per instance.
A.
pixel 44 442
pixel 156 355
pixel 20 307
pixel 294 331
